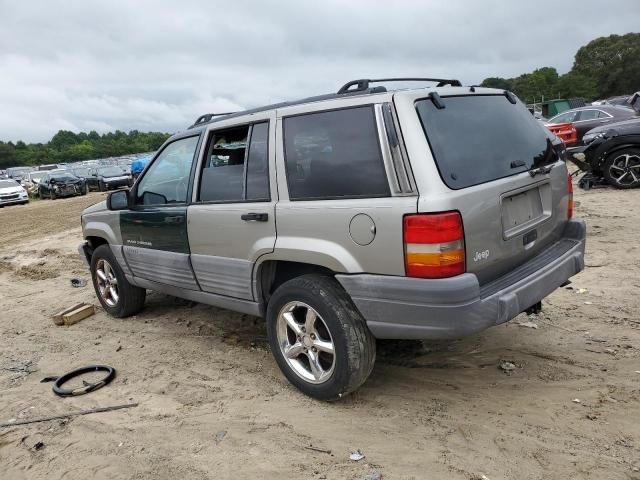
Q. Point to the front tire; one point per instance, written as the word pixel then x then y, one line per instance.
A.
pixel 117 296
pixel 101 186
pixel 318 338
pixel 622 168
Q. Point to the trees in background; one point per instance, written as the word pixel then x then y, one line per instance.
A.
pixel 66 146
pixel 605 67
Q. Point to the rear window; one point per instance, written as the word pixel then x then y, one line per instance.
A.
pixel 334 155
pixel 476 139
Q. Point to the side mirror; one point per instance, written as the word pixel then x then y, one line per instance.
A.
pixel 118 200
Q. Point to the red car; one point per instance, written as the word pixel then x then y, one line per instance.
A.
pixel 565 131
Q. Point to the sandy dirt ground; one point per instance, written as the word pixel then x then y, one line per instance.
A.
pixel 213 404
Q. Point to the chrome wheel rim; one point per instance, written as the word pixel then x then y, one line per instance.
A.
pixel 625 169
pixel 107 283
pixel 305 342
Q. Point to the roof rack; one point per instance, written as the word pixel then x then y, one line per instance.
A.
pixel 363 84
pixel 208 116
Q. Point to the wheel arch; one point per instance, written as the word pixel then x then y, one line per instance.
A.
pixel 270 274
pixel 614 146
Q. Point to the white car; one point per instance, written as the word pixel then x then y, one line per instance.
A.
pixel 11 192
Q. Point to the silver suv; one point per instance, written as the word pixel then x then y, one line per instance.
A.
pixel 424 213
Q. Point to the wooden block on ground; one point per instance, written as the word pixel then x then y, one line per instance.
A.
pixel 57 318
pixel 78 314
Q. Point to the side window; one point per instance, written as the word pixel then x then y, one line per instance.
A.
pixel 334 154
pixel 236 166
pixel 258 164
pixel 565 117
pixel 167 180
pixel 602 114
pixel 589 114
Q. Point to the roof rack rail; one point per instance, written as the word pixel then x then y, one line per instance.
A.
pixel 363 83
pixel 207 118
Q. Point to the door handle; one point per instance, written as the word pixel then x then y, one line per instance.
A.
pixel 255 217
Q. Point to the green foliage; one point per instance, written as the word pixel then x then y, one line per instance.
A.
pixel 604 67
pixel 613 62
pixel 66 146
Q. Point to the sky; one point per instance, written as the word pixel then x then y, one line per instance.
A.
pixel 156 65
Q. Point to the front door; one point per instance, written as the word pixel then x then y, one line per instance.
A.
pixel 154 230
pixel 231 221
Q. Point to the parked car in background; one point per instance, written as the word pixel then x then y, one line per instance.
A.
pixel 586 118
pixel 612 152
pixel 108 178
pixel 87 174
pixel 18 173
pixel 11 193
pixel 51 166
pixel 565 131
pixel 61 183
pixel 321 217
pixel 32 182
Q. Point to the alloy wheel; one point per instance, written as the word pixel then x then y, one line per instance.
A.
pixel 625 169
pixel 305 342
pixel 107 283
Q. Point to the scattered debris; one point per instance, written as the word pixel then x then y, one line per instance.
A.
pixel 507 366
pixel 78 282
pixel 21 369
pixel 220 436
pixel 74 314
pixel 356 456
pixel 87 387
pixel 588 303
pixel 38 446
pixel 610 351
pixel 321 450
pixel 374 476
pixel 576 400
pixel 581 290
pixel 637 371
pixel 528 324
pixel 13 422
pixel 119 348
pixel 592 416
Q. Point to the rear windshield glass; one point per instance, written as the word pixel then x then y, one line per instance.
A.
pixel 477 139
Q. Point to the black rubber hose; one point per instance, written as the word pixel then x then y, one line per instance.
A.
pixel 88 387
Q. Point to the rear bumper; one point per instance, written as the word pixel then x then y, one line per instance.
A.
pixel 410 308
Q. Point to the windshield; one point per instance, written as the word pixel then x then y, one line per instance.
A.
pixel 480 138
pixel 8 183
pixel 63 176
pixel 110 172
pixel 37 176
pixel 82 172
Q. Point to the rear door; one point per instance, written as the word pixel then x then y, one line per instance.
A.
pixel 489 159
pixel 232 216
pixel 344 187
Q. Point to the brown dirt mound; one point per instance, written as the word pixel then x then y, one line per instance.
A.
pixel 37 272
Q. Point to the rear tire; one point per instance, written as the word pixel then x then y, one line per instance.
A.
pixel 622 168
pixel 117 296
pixel 308 317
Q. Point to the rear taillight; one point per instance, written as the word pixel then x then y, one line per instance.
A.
pixel 434 245
pixel 570 203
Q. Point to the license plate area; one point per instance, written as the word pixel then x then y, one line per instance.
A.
pixel 525 208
